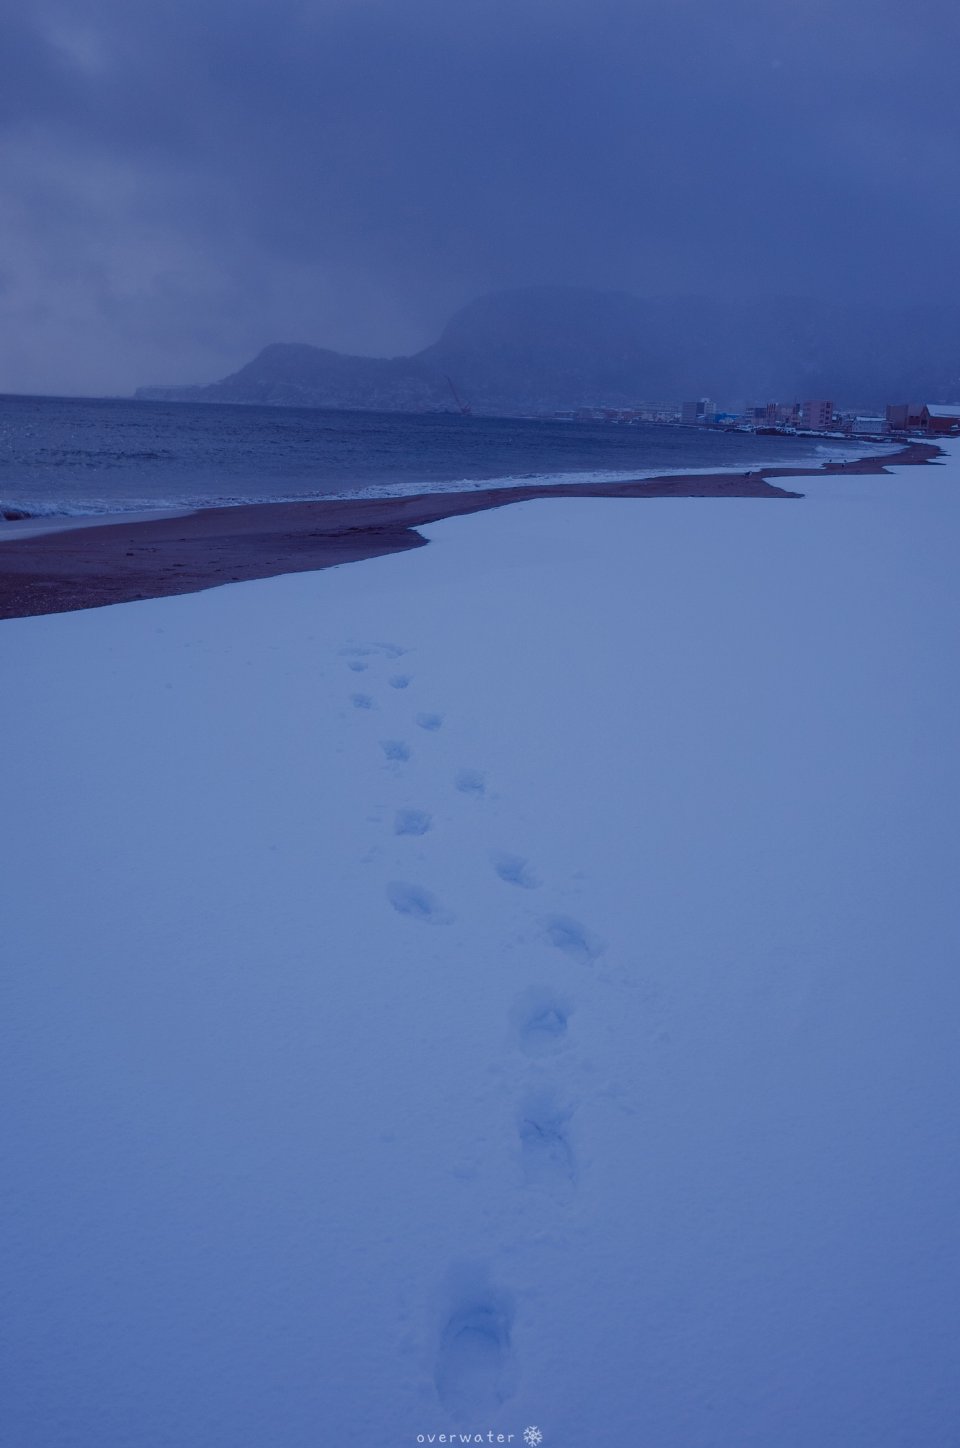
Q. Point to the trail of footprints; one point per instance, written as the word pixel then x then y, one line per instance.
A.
pixel 474 1366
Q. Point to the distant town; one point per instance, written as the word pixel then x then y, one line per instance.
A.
pixel 819 417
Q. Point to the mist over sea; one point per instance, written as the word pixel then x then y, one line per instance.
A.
pixel 92 456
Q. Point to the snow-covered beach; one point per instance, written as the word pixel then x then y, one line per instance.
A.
pixel 506 984
pixel 127 557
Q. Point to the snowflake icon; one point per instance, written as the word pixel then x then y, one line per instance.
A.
pixel 532 1437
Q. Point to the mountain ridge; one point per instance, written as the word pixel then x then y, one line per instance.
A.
pixel 538 349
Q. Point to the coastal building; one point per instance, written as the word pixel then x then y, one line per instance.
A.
pixel 816 416
pixel 658 411
pixel 700 411
pixel 871 425
pixel 938 419
pixel 934 418
pixel 904 416
pixel 776 414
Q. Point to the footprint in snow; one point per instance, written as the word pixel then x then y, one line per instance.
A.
pixel 362 701
pixel 515 870
pixel 549 1163
pixel 540 1017
pixel 430 721
pixel 471 781
pixel 414 901
pixel 357 665
pixel 400 681
pixel 412 822
pixel 574 939
pixel 395 750
pixel 475 1371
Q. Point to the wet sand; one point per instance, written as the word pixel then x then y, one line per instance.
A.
pixel 120 562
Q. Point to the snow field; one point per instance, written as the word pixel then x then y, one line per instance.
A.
pixel 507 983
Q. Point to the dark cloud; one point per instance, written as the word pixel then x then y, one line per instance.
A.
pixel 183 183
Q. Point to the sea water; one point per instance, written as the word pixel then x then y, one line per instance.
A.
pixel 88 456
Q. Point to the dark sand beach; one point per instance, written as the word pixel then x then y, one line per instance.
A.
pixel 91 567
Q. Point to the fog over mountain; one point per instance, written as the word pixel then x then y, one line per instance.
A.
pixel 182 185
pixel 542 348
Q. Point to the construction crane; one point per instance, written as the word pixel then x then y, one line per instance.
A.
pixel 463 407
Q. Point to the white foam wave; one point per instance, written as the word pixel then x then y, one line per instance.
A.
pixel 88 507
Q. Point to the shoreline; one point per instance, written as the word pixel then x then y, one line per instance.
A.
pixel 125 561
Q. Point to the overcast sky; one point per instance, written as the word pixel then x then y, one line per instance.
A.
pixel 183 182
